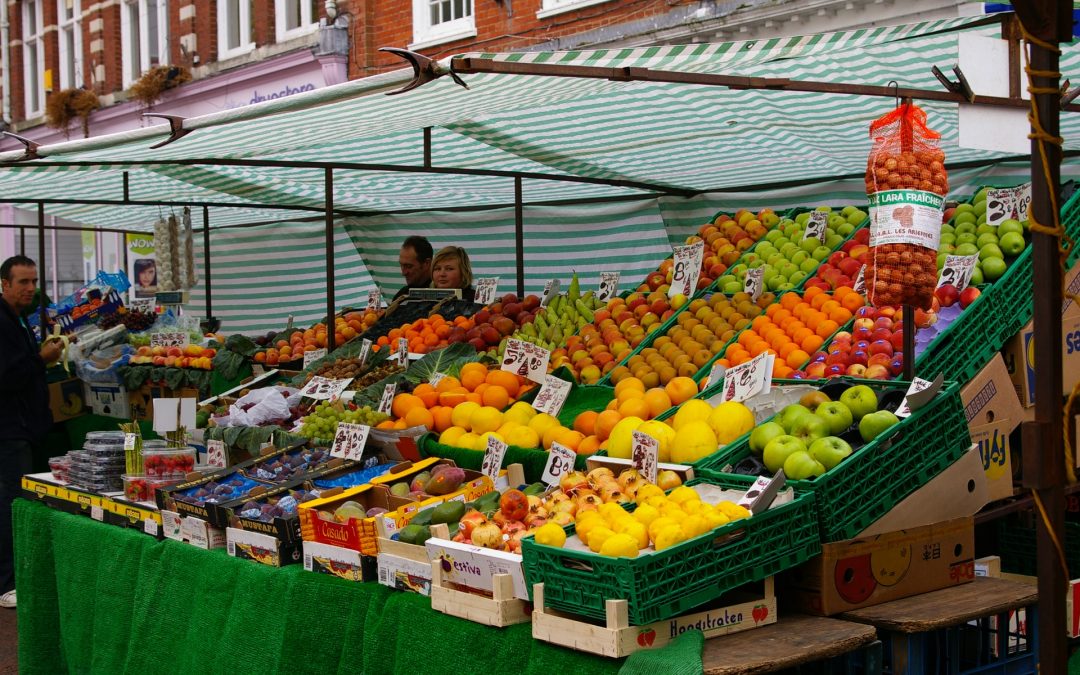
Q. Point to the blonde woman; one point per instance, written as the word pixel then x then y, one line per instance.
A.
pixel 450 268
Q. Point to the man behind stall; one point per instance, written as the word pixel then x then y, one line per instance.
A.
pixel 415 261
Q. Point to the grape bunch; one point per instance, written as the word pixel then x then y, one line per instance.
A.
pixel 133 321
pixel 323 420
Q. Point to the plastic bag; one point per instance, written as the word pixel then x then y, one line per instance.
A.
pixel 261 406
pixel 906 182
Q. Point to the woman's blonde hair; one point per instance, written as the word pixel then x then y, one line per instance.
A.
pixel 463 263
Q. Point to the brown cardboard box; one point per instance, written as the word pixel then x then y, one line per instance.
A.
pixel 142 400
pixel 66 399
pixel 872 570
pixel 993 411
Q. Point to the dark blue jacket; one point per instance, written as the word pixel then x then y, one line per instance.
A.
pixel 24 394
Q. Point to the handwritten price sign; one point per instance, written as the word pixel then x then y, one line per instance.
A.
pixel 374 300
pixel 322 388
pixel 560 460
pixel 215 453
pixel 917 385
pixel 526 359
pixel 493 458
pixel 645 454
pixel 754 282
pixel 957 271
pixel 687 269
pixel 178 339
pixel 749 379
pixel 313 356
pixel 609 286
pixel 552 396
pixel 815 226
pixel 145 305
pixel 436 378
pixel 365 350
pixel 403 352
pixel 551 289
pixel 860 281
pixel 387 400
pixel 485 290
pixel 1008 204
pixel 349 441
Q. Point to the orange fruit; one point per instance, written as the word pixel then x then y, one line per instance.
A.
pixel 401 424
pixel 474 368
pixel 508 381
pixel 419 417
pixel 797 358
pixel 496 396
pixel 452 398
pixel 634 407
pixel 811 343
pixel 586 423
pixel 385 424
pixel 403 403
pixel 568 437
pixel 605 422
pixel 589 445
pixel 852 301
pixel 550 434
pixel 681 389
pixel 447 383
pixel 441 415
pixel 471 379
pixel 658 401
pixel 629 383
pixel 827 328
pixel 427 394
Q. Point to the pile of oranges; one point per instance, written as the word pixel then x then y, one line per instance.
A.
pixel 794 328
pixel 432 406
pixel 424 335
pixel 346 327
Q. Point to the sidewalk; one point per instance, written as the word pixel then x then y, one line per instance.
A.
pixel 9 643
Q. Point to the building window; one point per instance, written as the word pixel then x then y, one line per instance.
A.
pixel 34 57
pixel 553 7
pixel 144 34
pixel 234 28
pixel 438 21
pixel 69 14
pixel 294 18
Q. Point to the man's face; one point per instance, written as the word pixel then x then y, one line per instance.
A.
pixel 19 291
pixel 416 273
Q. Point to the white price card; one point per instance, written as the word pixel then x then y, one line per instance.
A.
pixel 150 527
pixel 493 458
pixel 716 373
pixel 551 289
pixel 815 226
pixel 215 454
pixel 349 440
pixel 1000 205
pixel 436 378
pixel 749 379
pixel 560 460
pixel 96 512
pixel 860 281
pixel 374 300
pixel 754 283
pixel 918 384
pixel 687 269
pixel 1022 200
pixel 387 399
pixel 172 339
pixel 365 351
pixel 144 305
pixel 645 453
pixel 129 441
pixel 289 323
pixel 526 359
pixel 313 356
pixel 485 290
pixel 324 388
pixel 957 271
pixel 609 286
pixel 403 352
pixel 552 395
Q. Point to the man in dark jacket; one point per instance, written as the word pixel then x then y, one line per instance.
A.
pixel 24 401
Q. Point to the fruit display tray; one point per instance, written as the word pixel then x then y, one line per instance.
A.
pixel 664 584
pixel 880 474
pixel 665 326
pixel 582 397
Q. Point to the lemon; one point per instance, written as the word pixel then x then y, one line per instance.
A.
pixel 507 427
pixel 619 546
pixel 541 423
pixel 521 412
pixel 683 494
pixel 451 435
pixel 730 420
pixel 598 536
pixel 693 507
pixel 467 441
pixel 673 511
pixel 668 537
pixel 695 525
pixel 584 526
pixel 645 491
pixel 657 500
pixel 550 534
pixel 485 419
pixel 693 442
pixel 523 436
pixel 611 511
pixel 660 524
pixel 462 414
pixel 636 530
pixel 645 514
pixel 621 438
pixel 664 436
pixel 732 510
pixel 715 519
pixel 694 410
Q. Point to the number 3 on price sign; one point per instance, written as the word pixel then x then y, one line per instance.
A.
pixel 560 460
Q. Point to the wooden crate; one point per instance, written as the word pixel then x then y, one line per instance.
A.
pixel 498 609
pixel 735 612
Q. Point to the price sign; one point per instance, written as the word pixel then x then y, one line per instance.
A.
pixel 526 359
pixel 609 286
pixel 129 441
pixel 560 460
pixel 815 226
pixel 493 458
pixel 150 527
pixel 436 378
pixel 687 269
pixel 749 379
pixel 551 289
pixel 716 374
pixel 552 396
pixel 177 339
pixel 349 440
pixel 754 282
pixel 289 323
pixel 403 352
pixel 144 305
pixel 365 350
pixel 313 356
pixel 387 399
pixel 485 290
pixel 96 512
pixel 323 388
pixel 957 271
pixel 1008 203
pixel 1022 200
pixel 860 281
pixel 918 384
pixel 374 300
pixel 215 453
pixel 645 454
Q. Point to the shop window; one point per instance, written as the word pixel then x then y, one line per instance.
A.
pixel 33 57
pixel 234 28
pixel 69 24
pixel 294 18
pixel 439 21
pixel 553 7
pixel 144 35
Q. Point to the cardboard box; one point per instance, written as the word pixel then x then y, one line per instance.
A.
pixel 109 400
pixel 142 400
pixel 474 566
pixel 993 410
pixel 194 531
pixel 66 399
pixel 262 548
pixel 869 571
pixel 339 562
pixel 404 574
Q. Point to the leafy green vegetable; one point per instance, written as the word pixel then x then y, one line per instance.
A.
pixel 447 361
pixel 242 345
pixel 228 363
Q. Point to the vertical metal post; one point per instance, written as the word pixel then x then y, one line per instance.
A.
pixel 329 189
pixel 127 187
pixel 206 261
pixel 519 236
pixel 41 268
pixel 427 147
pixel 908 317
pixel 22 241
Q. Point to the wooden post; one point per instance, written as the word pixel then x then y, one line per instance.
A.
pixel 328 186
pixel 519 236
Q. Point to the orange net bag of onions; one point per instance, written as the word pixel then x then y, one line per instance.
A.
pixel 906 183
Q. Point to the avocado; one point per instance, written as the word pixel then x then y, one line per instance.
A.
pixel 535 489
pixel 423 518
pixel 447 512
pixel 414 534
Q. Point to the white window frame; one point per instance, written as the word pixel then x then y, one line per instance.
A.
pixel 134 65
pixel 309 20
pixel 555 7
pixel 224 51
pixel 426 35
pixel 70 62
pixel 33 40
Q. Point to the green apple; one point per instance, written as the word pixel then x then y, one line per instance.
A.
pixel 948 238
pixel 988 238
pixel 941 257
pixel 800 465
pixel 1010 225
pixel 773 235
pixel 809 265
pixel 732 287
pixel 820 253
pixel 968 248
pixel 797 277
pixel 833 241
pixel 993 268
pixel 990 251
pixel 790 413
pixel 775 282
pixel 830 451
pixel 836 414
pixel 964 228
pixel 846 229
pixel 786 287
pixel 775 259
pixel 762 434
pixel 966 238
pixel 980 230
pixel 799 257
pixel 872 425
pixel 802 218
pixel 789 249
pixel 980 210
pixel 962 217
pixel 860 400
pixel 809 428
pixel 809 245
pixel 778 449
pixel 1012 243
pixel 976 276
pixel 948 229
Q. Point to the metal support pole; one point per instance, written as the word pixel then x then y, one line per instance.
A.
pixel 519 236
pixel 41 268
pixel 127 187
pixel 22 240
pixel 909 342
pixel 329 189
pixel 427 147
pixel 206 262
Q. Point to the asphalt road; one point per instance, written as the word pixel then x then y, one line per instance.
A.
pixel 9 642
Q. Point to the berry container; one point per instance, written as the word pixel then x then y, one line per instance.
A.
pixel 168 462
pixel 60 467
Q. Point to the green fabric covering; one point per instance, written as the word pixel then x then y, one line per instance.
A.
pixel 682 656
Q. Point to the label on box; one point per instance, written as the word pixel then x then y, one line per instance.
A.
pixel 349 440
pixel 493 458
pixel 374 300
pixel 174 339
pixel 143 305
pixel 96 512
pixel 172 525
pixel 551 289
pixel 609 286
pixel 215 454
pixel 645 454
pixel 485 290
pixel 150 527
pixel 560 460
pixel 687 269
pixel 860 281
pixel 313 356
pixel 552 395
pixel 475 567
pixel 749 379
pixel 387 400
pixel 815 226
pixel 754 282
pixel 906 217
pixel 526 359
pixel 365 351
pixel 403 352
pixel 327 559
pixel 404 574
pixel 323 388
pixel 918 384
pixel 957 271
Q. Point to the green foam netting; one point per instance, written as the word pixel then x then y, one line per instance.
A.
pixel 682 656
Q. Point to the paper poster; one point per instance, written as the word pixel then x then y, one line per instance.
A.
pixel 142 266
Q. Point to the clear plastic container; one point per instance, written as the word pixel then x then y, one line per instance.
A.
pixel 168 462
pixel 142 488
pixel 60 467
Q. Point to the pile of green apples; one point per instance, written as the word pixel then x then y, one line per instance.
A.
pixel 967 233
pixel 804 438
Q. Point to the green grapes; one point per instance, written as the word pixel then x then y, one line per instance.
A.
pixel 322 423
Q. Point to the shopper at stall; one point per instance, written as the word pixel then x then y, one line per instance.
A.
pixel 450 268
pixel 415 261
pixel 24 400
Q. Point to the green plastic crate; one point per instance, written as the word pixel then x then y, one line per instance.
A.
pixel 880 474
pixel 532 460
pixel 668 583
pixel 1016 545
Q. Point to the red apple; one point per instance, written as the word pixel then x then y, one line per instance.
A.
pixel 881 347
pixel 970 295
pixel 879 360
pixel 876 371
pixel 815 370
pixel 856 370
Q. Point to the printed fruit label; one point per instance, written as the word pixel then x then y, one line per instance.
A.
pixel 906 217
